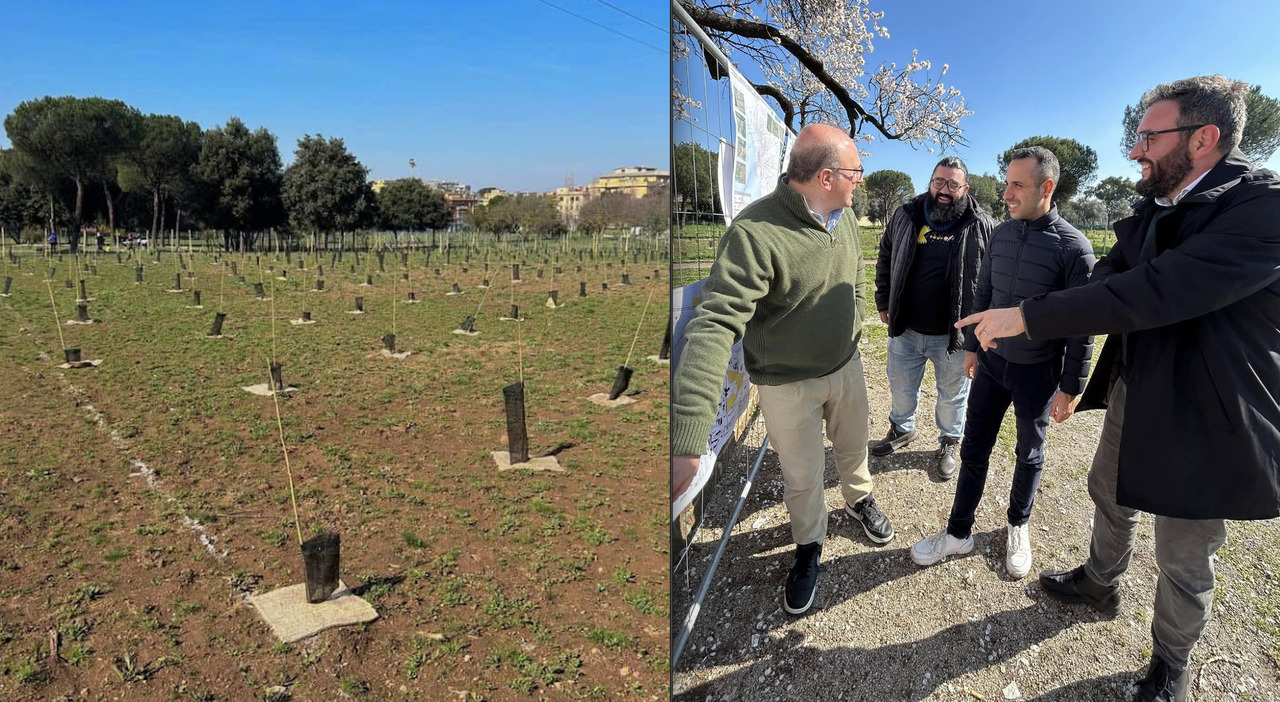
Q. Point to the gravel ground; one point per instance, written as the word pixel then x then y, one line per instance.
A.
pixel 882 628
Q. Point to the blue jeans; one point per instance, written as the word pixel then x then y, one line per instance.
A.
pixel 1030 387
pixel 907 356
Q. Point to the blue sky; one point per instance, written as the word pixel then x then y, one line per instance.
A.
pixel 513 93
pixel 1068 69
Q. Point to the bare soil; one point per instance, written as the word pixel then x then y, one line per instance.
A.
pixel 142 501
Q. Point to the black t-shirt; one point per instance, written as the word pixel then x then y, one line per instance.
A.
pixel 926 296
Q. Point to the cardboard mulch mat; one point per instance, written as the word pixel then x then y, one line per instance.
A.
pixel 602 399
pixel 292 618
pixel 503 459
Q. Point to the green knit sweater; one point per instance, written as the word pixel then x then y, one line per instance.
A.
pixel 789 290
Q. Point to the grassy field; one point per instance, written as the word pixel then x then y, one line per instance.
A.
pixel 144 499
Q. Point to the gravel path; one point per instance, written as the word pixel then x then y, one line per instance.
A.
pixel 884 629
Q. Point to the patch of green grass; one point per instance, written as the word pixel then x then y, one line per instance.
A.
pixel 531 673
pixel 591 532
pixel 609 638
pixel 353 687
pixel 115 554
pixel 645 601
pixel 412 540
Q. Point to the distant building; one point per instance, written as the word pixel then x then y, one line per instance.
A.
pixel 569 201
pixel 449 187
pixel 378 185
pixel 461 205
pixel 485 195
pixel 636 181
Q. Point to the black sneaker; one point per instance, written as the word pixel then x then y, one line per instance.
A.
pixel 1075 587
pixel 802 581
pixel 892 441
pixel 1163 683
pixel 873 520
pixel 948 453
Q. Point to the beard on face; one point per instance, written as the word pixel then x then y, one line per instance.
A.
pixel 1166 173
pixel 946 212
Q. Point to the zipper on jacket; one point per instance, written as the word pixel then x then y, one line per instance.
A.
pixel 1017 264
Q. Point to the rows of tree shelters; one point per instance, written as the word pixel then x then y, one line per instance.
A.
pixel 1087 205
pixel 78 162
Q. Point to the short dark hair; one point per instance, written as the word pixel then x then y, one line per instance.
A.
pixel 952 162
pixel 1046 163
pixel 809 160
pixel 1215 100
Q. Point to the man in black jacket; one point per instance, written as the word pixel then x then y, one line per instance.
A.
pixel 1033 253
pixel 1190 296
pixel 926 274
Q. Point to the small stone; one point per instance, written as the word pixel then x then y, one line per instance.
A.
pixel 1012 692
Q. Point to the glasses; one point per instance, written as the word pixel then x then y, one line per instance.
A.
pixel 857 171
pixel 952 185
pixel 1144 138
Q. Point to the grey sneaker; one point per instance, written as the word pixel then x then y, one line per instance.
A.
pixel 948 455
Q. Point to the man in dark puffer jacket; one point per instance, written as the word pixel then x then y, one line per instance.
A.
pixel 926 277
pixel 1035 252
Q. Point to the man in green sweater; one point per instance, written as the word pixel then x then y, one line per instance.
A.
pixel 788 282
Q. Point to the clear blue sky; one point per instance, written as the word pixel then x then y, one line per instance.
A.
pixel 1068 69
pixel 513 93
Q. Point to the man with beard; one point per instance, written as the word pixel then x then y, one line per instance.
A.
pixel 926 274
pixel 788 282
pixel 1190 296
pixel 1033 253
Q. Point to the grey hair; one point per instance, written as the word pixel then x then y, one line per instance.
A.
pixel 1046 163
pixel 1214 99
pixel 809 160
pixel 953 162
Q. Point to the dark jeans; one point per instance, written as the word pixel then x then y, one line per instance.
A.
pixel 1030 387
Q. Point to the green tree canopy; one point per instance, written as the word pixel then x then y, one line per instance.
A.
pixel 326 188
pixel 695 179
pixel 886 191
pixel 242 173
pixel 1078 163
pixel 407 204
pixel 1084 211
pixel 1117 196
pixel 1261 135
pixel 165 150
pixel 79 138
pixel 989 192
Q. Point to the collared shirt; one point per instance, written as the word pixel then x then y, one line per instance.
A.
pixel 829 221
pixel 1166 202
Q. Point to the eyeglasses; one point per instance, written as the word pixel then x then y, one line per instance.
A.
pixel 858 171
pixel 952 185
pixel 1144 138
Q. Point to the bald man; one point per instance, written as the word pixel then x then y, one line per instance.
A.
pixel 788 282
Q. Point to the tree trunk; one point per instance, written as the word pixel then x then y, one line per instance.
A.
pixel 155 213
pixel 111 206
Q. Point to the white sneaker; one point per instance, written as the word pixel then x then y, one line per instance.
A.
pixel 1017 550
pixel 936 548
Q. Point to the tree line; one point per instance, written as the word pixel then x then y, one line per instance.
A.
pixel 78 162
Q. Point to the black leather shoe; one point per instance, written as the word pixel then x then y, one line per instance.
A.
pixel 1163 683
pixel 1076 587
pixel 802 581
pixel 873 521
pixel 892 441
pixel 948 453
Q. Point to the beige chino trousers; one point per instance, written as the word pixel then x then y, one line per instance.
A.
pixel 793 416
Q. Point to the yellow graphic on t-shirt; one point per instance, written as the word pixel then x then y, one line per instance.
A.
pixel 929 236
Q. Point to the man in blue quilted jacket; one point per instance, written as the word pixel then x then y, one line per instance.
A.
pixel 1034 253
